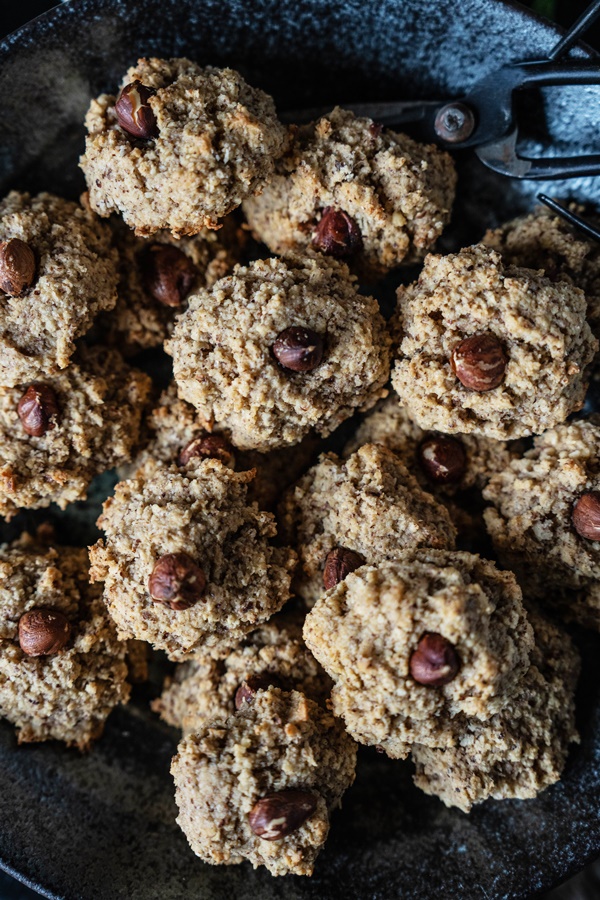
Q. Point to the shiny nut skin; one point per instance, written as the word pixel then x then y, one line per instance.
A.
pixel 177 581
pixel 339 563
pixel 479 362
pixel 169 274
pixel 208 446
pixel 298 349
pixel 248 688
pixel 134 114
pixel 38 409
pixel 435 661
pixel 586 515
pixel 17 267
pixel 442 459
pixel 337 234
pixel 43 632
pixel 276 815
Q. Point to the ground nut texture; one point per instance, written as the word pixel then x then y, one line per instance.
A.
pixel 365 630
pixel 368 503
pixel 205 688
pixel 75 278
pixel 205 514
pixel 543 240
pixel 390 424
pixel 530 519
pixel 139 320
pixel 224 365
pixel 68 695
pixel 100 405
pixel 175 423
pixel 398 192
pixel 281 741
pixel 218 138
pixel 522 749
pixel 540 324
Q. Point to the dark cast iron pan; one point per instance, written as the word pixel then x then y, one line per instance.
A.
pixel 102 826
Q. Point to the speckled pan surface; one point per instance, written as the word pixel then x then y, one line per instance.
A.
pixel 101 827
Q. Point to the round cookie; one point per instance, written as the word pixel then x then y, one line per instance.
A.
pixel 522 749
pixel 154 284
pixel 67 694
pixel 519 341
pixel 187 560
pixel 543 240
pixel 531 523
pixel 390 424
pixel 176 432
pixel 208 688
pixel 352 189
pixel 370 632
pixel 56 435
pixel 234 772
pixel 368 504
pixel 72 276
pixel 207 141
pixel 228 348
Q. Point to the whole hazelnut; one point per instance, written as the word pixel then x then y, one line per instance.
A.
pixel 479 362
pixel 435 661
pixel 586 515
pixel 17 267
pixel 168 273
pixel 177 581
pixel 276 815
pixel 339 563
pixel 442 458
pixel 134 113
pixel 43 632
pixel 208 446
pixel 38 409
pixel 298 349
pixel 337 234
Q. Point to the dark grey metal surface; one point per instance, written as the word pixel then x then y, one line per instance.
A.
pixel 101 827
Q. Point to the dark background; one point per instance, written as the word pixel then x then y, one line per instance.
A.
pixel 14 13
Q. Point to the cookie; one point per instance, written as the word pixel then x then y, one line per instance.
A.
pixel 491 349
pixel 280 348
pixel 180 147
pixel 353 190
pixel 209 688
pixel 187 561
pixel 543 240
pixel 542 519
pixel 445 465
pixel 62 669
pixel 156 276
pixel 176 436
pixel 57 272
pixel 261 785
pixel 57 434
pixel 366 509
pixel 522 749
pixel 412 643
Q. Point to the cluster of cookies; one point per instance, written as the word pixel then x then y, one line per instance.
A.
pixel 311 602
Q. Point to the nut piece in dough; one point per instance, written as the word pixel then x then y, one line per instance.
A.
pixel 67 694
pixel 223 360
pixel 217 142
pixel 204 513
pixel 530 519
pixel 350 189
pixel 523 748
pixel 281 742
pixel 92 425
pixel 541 326
pixel 75 279
pixel 364 633
pixel 369 504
